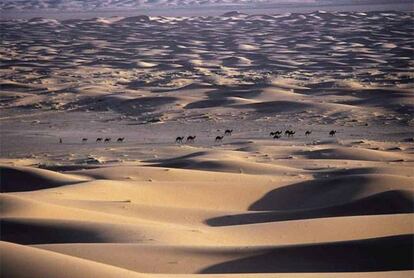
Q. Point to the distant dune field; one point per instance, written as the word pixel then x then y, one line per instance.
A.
pixel 95 184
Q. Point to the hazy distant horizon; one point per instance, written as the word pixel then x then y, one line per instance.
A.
pixel 260 8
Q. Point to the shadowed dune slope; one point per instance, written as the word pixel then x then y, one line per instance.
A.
pixel 47 231
pixel 15 179
pixel 223 162
pixel 28 262
pixel 355 154
pixel 196 259
pixel 113 215
pixel 379 254
pixel 389 202
pixel 328 192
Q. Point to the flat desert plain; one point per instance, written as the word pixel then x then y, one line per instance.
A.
pixel 244 205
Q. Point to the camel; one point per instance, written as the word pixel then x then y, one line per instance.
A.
pixel 228 132
pixel 290 133
pixel 179 139
pixel 332 132
pixel 84 140
pixel 219 138
pixel 120 139
pixel 308 132
pixel 190 139
pixel 107 140
pixel 277 132
pixel 98 140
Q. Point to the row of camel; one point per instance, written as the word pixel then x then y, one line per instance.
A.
pixel 191 138
pixel 275 134
pixel 100 140
pixel 290 133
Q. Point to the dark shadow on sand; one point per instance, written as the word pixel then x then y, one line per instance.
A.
pixel 378 254
pixel 15 180
pixel 390 202
pixel 50 232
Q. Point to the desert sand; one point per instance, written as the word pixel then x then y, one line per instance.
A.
pixel 246 206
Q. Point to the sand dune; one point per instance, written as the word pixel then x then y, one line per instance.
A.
pixel 341 190
pixel 302 55
pixel 23 261
pixel 17 263
pixel 333 255
pixel 173 259
pixel 94 219
pixel 389 202
pixel 28 179
pixel 229 162
pixel 355 154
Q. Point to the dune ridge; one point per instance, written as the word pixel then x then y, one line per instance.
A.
pixel 137 211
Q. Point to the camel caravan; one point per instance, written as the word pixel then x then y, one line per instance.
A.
pixel 99 140
pixel 228 132
pixel 190 139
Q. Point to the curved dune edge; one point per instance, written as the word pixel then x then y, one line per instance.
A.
pixel 378 254
pixel 307 231
pixel 354 154
pixel 15 178
pixel 172 216
pixel 23 261
pixel 325 257
pixel 389 202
